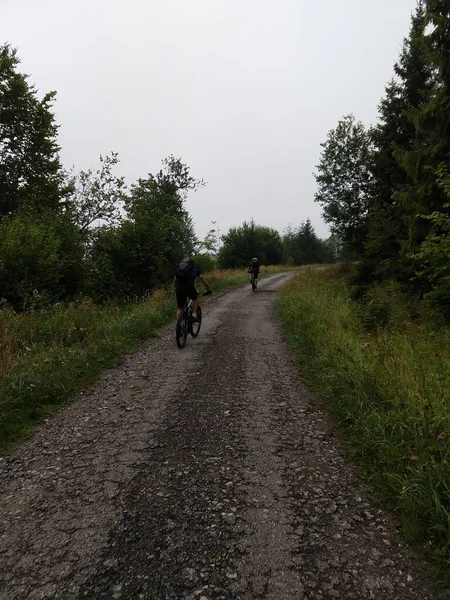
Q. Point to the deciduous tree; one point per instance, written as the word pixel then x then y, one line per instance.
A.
pixel 344 180
pixel 30 171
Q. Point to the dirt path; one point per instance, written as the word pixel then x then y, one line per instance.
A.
pixel 208 473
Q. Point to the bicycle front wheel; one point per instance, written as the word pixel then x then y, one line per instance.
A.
pixel 181 330
pixel 195 327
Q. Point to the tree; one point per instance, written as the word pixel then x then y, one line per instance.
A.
pixel 97 195
pixel 335 249
pixel 160 198
pixel 30 170
pixel 434 253
pixel 302 246
pixel 426 200
pixel 210 244
pixel 156 233
pixel 242 243
pixel 395 135
pixel 205 255
pixel 428 157
pixel 344 181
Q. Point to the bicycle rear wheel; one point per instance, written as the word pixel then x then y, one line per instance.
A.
pixel 181 330
pixel 195 327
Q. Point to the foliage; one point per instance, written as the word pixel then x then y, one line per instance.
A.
pixel 65 235
pixel 396 134
pixel 30 170
pixel 97 195
pixel 302 246
pixel 429 226
pixel 160 200
pixel 344 181
pixel 210 244
pixel 29 259
pixel 422 195
pixel 434 254
pixel 205 261
pixel 249 240
pixel 141 252
pixel 399 173
pixel 384 372
pixel 40 259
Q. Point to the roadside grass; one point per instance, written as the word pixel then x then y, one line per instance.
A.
pixel 46 356
pixel 383 368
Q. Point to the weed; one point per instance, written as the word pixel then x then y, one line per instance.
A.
pixel 376 315
pixel 388 388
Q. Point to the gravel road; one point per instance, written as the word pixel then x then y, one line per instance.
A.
pixel 201 474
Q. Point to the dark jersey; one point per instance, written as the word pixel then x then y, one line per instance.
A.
pixel 190 283
pixel 186 289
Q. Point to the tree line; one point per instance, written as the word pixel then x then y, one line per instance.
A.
pixel 66 233
pixel 296 246
pixel 385 189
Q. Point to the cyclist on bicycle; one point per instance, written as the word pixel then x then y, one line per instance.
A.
pixel 253 269
pixel 184 280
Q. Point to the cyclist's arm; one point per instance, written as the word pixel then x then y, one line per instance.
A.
pixel 205 282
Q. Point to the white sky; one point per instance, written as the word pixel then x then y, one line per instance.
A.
pixel 244 91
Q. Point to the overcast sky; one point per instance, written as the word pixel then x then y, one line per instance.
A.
pixel 243 90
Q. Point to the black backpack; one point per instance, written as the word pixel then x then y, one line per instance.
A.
pixel 185 270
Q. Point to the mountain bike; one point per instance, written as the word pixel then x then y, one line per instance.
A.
pixel 254 282
pixel 186 324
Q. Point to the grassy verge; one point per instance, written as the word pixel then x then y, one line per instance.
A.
pixel 48 355
pixel 384 372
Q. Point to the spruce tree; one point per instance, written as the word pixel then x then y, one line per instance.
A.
pixel 396 134
pixel 428 162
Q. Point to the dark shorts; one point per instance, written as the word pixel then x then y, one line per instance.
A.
pixel 185 291
pixel 254 274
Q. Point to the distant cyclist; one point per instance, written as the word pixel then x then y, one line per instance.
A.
pixel 253 269
pixel 184 280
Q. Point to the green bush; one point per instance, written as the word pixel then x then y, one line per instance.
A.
pixel 29 260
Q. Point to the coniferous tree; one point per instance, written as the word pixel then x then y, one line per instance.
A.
pixel 302 246
pixel 430 225
pixel 429 157
pixel 396 133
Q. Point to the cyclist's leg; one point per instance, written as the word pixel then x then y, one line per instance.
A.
pixel 193 295
pixel 181 299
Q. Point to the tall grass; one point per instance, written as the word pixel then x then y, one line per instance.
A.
pixel 47 355
pixel 384 373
